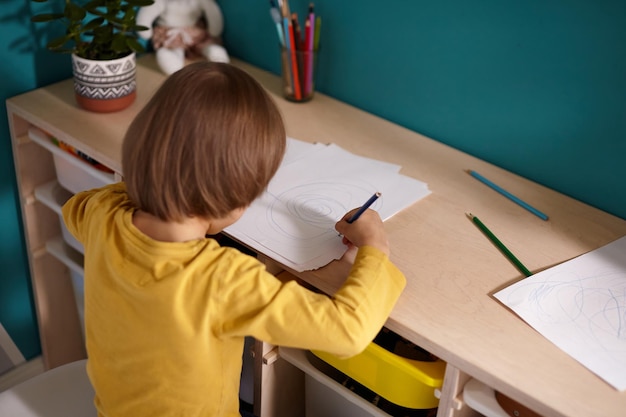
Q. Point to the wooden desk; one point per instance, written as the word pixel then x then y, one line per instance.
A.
pixel 452 269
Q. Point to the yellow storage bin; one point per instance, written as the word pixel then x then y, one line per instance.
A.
pixel 405 382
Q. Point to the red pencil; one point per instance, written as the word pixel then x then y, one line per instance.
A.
pixel 294 64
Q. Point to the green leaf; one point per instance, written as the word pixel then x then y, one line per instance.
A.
pixel 130 15
pixel 46 17
pixel 93 23
pixel 114 19
pixel 58 42
pixel 119 43
pixel 128 21
pixel 96 12
pixel 74 12
pixel 134 45
pixel 140 3
pixel 94 4
pixel 104 32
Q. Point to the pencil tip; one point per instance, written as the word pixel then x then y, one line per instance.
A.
pixel 469 215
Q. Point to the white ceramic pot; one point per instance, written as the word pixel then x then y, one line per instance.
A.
pixel 104 86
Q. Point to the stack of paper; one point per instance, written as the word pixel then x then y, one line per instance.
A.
pixel 293 222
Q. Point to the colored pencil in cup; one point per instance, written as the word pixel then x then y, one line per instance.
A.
pixel 310 50
pixel 276 18
pixel 286 61
pixel 292 51
pixel 316 33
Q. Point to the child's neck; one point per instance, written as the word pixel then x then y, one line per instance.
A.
pixel 192 228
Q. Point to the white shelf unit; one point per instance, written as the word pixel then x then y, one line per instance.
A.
pixel 72 176
pixel 55 257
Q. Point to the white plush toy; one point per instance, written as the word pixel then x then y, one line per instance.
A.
pixel 177 28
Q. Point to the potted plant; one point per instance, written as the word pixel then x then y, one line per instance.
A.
pixel 102 37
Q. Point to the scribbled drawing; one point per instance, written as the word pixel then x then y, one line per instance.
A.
pixel 297 223
pixel 309 211
pixel 580 306
pixel 293 221
pixel 596 305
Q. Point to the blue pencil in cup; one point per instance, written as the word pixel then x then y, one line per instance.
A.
pixel 276 18
pixel 364 207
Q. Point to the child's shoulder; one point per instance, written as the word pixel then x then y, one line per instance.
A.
pixel 114 193
pixel 102 198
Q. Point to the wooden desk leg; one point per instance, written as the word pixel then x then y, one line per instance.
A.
pixel 278 385
pixel 451 403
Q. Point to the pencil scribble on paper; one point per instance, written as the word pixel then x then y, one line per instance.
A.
pixel 293 221
pixel 595 305
pixel 310 211
pixel 580 305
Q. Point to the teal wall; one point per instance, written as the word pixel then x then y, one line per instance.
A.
pixel 537 87
pixel 24 65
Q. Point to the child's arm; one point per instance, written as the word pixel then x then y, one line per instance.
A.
pixel 288 314
pixel 75 209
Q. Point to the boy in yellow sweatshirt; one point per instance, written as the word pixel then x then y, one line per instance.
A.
pixel 166 307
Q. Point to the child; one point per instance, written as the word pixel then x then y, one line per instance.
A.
pixel 167 308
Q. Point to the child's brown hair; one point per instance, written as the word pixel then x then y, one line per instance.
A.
pixel 208 142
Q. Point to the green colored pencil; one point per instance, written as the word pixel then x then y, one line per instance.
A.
pixel 499 245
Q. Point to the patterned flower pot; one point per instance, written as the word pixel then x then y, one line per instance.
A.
pixel 104 86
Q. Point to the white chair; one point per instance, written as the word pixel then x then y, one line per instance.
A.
pixel 64 391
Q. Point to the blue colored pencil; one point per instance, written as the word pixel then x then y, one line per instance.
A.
pixel 508 195
pixel 365 206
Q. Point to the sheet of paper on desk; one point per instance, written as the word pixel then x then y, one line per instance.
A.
pixel 294 220
pixel 580 306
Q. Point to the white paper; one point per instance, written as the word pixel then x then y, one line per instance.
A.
pixel 315 186
pixel 580 306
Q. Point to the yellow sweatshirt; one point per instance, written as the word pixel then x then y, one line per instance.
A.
pixel 165 322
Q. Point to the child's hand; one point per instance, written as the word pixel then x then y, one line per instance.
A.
pixel 366 230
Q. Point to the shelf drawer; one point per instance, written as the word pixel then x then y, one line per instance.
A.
pixel 490 403
pixel 74 262
pixel 54 196
pixel 324 397
pixel 401 372
pixel 73 173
